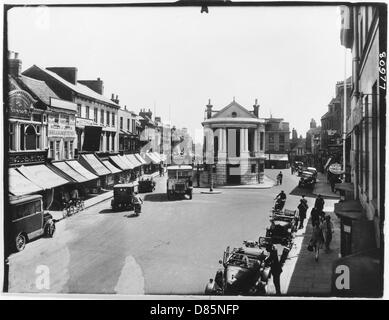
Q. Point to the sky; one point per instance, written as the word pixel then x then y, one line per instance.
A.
pixel 172 60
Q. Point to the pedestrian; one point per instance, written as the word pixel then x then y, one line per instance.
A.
pixel 292 169
pixel 275 268
pixel 328 230
pixel 302 207
pixel 319 203
pixel 332 183
pixel 317 239
pixel 279 178
pixel 315 216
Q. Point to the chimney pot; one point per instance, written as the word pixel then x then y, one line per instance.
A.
pixel 113 97
pixel 117 97
pixel 16 55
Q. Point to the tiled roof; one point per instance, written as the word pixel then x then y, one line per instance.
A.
pixel 40 89
pixel 79 88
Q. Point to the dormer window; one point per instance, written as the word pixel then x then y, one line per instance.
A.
pixel 233 114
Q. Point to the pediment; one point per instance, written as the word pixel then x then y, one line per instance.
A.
pixel 233 108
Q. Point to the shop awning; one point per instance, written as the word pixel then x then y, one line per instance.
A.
pixel 278 157
pixel 111 167
pixel 136 163
pixel 141 160
pixel 64 168
pixel 127 162
pixel 157 156
pixel 82 170
pixel 149 157
pixel 92 163
pixel 119 162
pixel 351 209
pixel 20 185
pixel 42 176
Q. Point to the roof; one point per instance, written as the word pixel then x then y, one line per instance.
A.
pixel 40 89
pixel 234 104
pixel 78 88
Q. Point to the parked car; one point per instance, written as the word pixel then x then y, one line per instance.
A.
pixel 146 184
pixel 307 179
pixel 313 170
pixel 29 220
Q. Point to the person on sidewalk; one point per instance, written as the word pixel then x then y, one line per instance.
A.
pixel 327 230
pixel 279 178
pixel 315 216
pixel 275 268
pixel 319 203
pixel 302 207
pixel 317 239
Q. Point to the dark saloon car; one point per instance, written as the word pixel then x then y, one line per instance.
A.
pixel 307 179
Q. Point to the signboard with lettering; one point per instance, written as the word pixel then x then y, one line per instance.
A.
pixel 61 125
pixel 20 103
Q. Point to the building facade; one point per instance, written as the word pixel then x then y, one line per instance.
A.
pixel 128 131
pixel 362 212
pixel 277 143
pixel 97 116
pixel 234 144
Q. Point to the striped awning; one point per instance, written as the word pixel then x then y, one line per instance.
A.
pixel 42 176
pixel 19 185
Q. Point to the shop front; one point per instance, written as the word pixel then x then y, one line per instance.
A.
pixel 124 166
pixel 93 164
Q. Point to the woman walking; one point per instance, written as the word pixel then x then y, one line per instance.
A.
pixel 328 230
pixel 317 239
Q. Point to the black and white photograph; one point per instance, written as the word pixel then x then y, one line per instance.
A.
pixel 194 150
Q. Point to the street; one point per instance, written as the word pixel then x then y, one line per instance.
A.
pixel 173 247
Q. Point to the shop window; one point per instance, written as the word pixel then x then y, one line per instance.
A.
pixel 12 137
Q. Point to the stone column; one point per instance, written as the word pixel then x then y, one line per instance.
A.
pixel 221 168
pixel 244 141
pixel 17 136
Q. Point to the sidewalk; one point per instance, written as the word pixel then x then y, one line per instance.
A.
pixel 302 275
pixel 323 187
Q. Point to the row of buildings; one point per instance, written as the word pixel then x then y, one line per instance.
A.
pixel 64 133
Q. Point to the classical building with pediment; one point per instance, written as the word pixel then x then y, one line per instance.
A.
pixel 234 144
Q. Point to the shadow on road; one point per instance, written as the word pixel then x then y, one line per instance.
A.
pixel 161 197
pixel 308 192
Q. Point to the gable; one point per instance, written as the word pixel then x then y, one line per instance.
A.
pixel 227 111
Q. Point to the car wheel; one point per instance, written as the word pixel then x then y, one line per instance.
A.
pixel 20 242
pixel 49 230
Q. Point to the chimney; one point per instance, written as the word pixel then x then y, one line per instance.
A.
pixel 209 109
pixel 67 73
pixel 113 97
pixel 125 107
pixel 117 99
pixel 256 108
pixel 96 85
pixel 14 64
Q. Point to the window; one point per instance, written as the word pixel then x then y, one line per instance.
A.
pixel 71 154
pixel 128 124
pixel 261 140
pixel 113 119
pixel 253 168
pixel 66 118
pixel 66 150
pixel 87 112
pixel 56 117
pixel 51 150
pixel 121 122
pixel 37 117
pixel 281 147
pixel 113 141
pixel 95 115
pixel 102 117
pixel 282 138
pixel 12 136
pixel 271 137
pixel 57 150
pixel 31 138
pixel 233 114
pixel 78 110
pixel 133 126
pixel 107 136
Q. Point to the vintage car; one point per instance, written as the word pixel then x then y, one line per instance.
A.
pixel 146 184
pixel 179 181
pixel 313 170
pixel 245 271
pixel 307 179
pixel 122 196
pixel 283 224
pixel 29 220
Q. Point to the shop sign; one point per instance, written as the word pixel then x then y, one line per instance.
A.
pixel 20 103
pixel 61 127
pixel 82 122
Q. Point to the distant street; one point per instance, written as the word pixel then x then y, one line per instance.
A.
pixel 173 247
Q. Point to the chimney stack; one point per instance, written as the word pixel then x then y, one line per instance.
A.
pixel 14 64
pixel 113 97
pixel 95 85
pixel 256 108
pixel 209 109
